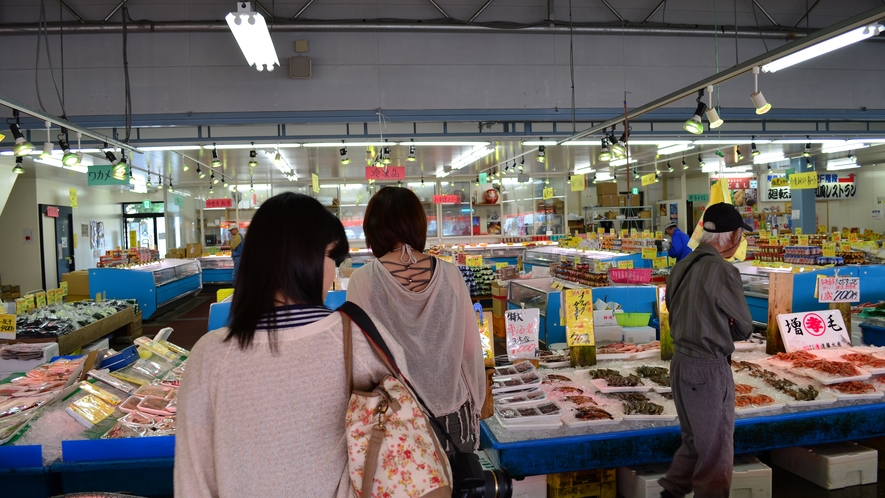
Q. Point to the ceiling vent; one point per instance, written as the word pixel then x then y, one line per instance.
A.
pixel 299 68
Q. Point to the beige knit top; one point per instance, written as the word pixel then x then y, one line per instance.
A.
pixel 252 423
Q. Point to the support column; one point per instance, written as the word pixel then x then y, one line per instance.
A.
pixel 804 200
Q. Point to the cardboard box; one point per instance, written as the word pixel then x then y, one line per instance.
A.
pixel 498 326
pixel 5 288
pixel 601 483
pixel 612 215
pixel 499 297
pixel 607 334
pixel 9 367
pixel 645 214
pixel 194 251
pixel 830 466
pixel 608 200
pixel 78 282
pixel 606 188
pixel 622 200
pixel 750 479
pixel 633 200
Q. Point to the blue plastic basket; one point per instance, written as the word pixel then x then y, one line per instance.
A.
pixel 872 335
pixel 120 360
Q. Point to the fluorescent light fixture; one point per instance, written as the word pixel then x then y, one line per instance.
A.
pixel 252 35
pixel 472 156
pixel 347 144
pixel 622 162
pixel 53 161
pixel 842 147
pixel 535 143
pixel 675 148
pixel 714 168
pixel 773 157
pixel 586 170
pixel 171 147
pixel 807 140
pixel 444 144
pixel 659 143
pixel 849 162
pixel 824 47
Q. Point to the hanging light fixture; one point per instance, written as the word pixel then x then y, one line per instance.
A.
pixel 712 114
pixel 253 157
pixel 69 159
pixel 619 146
pixel 542 154
pixel 684 164
pixel 694 125
pixel 344 158
pixel 762 106
pixel 17 169
pixel 701 162
pixel 385 155
pixel 216 163
pixel 477 180
pixel 635 174
pixel 422 182
pixel 170 185
pixel 251 187
pixel 184 166
pixel 738 154
pixel 669 168
pixel 250 31
pixel 22 147
pixel 223 181
pixel 605 154
pixel 411 154
pixel 149 183
pixel 821 48
pixel 753 150
pixel 200 172
pixel 522 164
pixel 211 190
pixel 278 159
pixel 808 163
pixel 807 151
pixel 212 178
pixel 47 150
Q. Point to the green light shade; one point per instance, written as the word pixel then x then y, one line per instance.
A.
pixel 605 155
pixel 410 158
pixel 211 190
pixel 618 149
pixel 345 160
pixel 22 147
pixel 807 153
pixel 755 152
pixel 149 183
pixel 70 159
pixel 215 181
pixel 253 163
pixel 170 187
pixel 185 167
pixel 120 171
pixel 386 160
pixel 216 163
pixel 18 166
pixel 762 106
pixel 693 125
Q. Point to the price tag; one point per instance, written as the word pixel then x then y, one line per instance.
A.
pixel 624 233
pixel 473 261
pixel 628 264
pixel 803 240
pixel 601 266
pixel 672 261
pixel 852 237
pixel 821 229
pixel 41 299
pixel 547 193
pixel 838 289
pixel 501 264
pixel 600 231
pixel 829 250
pixel 521 328
pixel 32 303
pixel 7 326
pixel 649 252
pixel 579 317
pixel 844 246
pixel 21 306
pixel 562 258
pixel 798 230
pixel 659 235
pixel 660 262
pixel 837 236
pixel 64 288
pixel 786 240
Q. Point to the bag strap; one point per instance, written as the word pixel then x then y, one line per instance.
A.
pixel 348 356
pixel 364 322
pixel 685 274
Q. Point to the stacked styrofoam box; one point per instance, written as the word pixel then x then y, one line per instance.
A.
pixel 750 479
pixel 530 487
pixel 830 466
pixel 103 343
pixel 639 335
pixel 8 367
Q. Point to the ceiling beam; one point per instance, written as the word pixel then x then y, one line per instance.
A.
pixel 655 11
pixel 478 12
pixel 807 12
pixel 822 35
pixel 301 11
pixel 107 17
pixel 69 9
pixel 771 19
pixel 615 12
pixel 440 9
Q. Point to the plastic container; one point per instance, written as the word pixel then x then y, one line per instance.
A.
pixel 633 320
pixel 630 276
pixel 750 478
pixel 120 360
pixel 154 405
pixel 515 382
pixel 872 335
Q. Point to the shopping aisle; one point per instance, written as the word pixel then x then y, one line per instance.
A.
pixel 189 319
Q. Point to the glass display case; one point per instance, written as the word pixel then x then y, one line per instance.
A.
pixel 539 293
pixel 548 255
pixel 457 220
pixel 154 285
pixel 217 269
pixel 359 257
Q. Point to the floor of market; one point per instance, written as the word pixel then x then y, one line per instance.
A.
pixel 190 319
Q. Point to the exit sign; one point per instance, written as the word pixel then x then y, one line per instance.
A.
pixel 635 190
pixel 146 204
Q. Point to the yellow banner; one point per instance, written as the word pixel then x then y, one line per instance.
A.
pixel 648 179
pixel 547 193
pixel 579 317
pixel 315 182
pixel 72 195
pixel 803 180
pixel 577 183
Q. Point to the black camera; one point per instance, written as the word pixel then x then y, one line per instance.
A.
pixel 471 481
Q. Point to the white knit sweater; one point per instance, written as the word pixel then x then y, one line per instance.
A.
pixel 255 424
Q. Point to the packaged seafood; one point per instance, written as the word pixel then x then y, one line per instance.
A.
pixel 130 404
pixel 833 372
pixel 101 393
pixel 855 390
pixel 120 385
pixel 136 418
pixel 90 410
pixel 546 412
pixel 555 379
pixel 522 399
pixel 754 403
pixel 153 390
pixel 567 390
pixel 498 395
pixel 515 369
pixel 515 382
pixel 175 348
pixel 588 415
pixel 154 405
pixel 157 348
pixel 620 383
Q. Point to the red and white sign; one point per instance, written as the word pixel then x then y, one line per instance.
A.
pixel 838 290
pixel 738 183
pixel 219 203
pixel 52 211
pixel 447 199
pixel 386 173
pixel 522 327
pixel 823 329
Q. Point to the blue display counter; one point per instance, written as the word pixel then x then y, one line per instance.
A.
pixel 154 285
pixel 219 313
pixel 217 269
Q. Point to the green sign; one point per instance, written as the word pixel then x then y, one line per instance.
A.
pixel 146 204
pixel 698 197
pixel 635 190
pixel 103 175
pixel 483 177
pixel 178 200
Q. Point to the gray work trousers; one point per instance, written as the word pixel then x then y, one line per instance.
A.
pixel 703 390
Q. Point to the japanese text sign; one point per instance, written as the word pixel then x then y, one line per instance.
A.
pixel 315 183
pixel 52 211
pixel 547 193
pixel 648 179
pixel 522 327
pixel 649 252
pixel 41 299
pixel 660 262
pixel 219 203
pixel 803 180
pixel 21 306
pixel 577 183
pixel 579 317
pixel 838 289
pixel 447 199
pixel 7 326
pixel 813 330
pixel 386 173
pixel 628 264
pixel 473 261
pixel 103 175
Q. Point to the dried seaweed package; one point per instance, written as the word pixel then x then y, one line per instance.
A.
pixel 90 410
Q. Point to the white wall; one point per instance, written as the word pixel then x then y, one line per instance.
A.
pixel 20 260
pixel 858 212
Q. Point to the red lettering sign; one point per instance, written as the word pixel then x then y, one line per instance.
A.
pixel 52 211
pixel 447 199
pixel 219 203
pixel 386 173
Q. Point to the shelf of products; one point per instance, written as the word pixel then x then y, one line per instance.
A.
pixel 152 286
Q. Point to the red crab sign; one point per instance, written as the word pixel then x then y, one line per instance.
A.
pixel 813 330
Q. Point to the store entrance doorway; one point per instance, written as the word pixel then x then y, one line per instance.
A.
pixel 144 225
pixel 56 227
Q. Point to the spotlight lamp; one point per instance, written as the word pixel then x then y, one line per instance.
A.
pixel 149 183
pixel 216 163
pixel 606 154
pixel 684 164
pixel 422 182
pixel 170 186
pixel 69 158
pixel 184 166
pixel 47 150
pixel 212 178
pixel 542 154
pixel 753 150
pixel 477 180
pixel 614 178
pixel 694 125
pixel 251 188
pixel 635 174
pixel 411 154
pixel 619 147
pixel 701 162
pixel 278 159
pixel 669 168
pixel 594 178
pixel 385 156
pixel 18 165
pixel 211 190
pixel 200 172
pixel 224 182
pixel 807 151
pixel 808 163
pixel 762 106
pixel 22 147
pixel 344 158
pixel 253 158
pixel 522 165
pixel 738 154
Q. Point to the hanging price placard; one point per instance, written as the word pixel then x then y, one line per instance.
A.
pixel 21 306
pixel 803 240
pixel 660 262
pixel 659 235
pixel 473 261
pixel 838 289
pixel 829 250
pixel 579 318
pixel 649 252
pixel 521 327
pixel 626 264
pixel 7 326
pixel 601 266
pixel 500 265
pixel 547 193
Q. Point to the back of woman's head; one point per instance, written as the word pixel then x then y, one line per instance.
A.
pixel 394 216
pixel 283 257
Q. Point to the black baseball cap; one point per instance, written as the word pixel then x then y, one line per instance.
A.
pixel 725 218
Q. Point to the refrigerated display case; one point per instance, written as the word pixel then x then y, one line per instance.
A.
pixel 548 255
pixel 153 286
pixel 539 293
pixel 217 269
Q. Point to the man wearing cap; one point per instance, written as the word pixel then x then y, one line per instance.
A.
pixel 678 242
pixel 236 249
pixel 708 312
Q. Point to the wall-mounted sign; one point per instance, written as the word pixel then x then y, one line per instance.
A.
pixel 447 199
pixel 386 173
pixel 226 202
pixel 830 187
pixel 52 211
pixel 698 197
pixel 838 290
pixel 103 175
pixel 547 193
pixel 72 196
pixel 803 180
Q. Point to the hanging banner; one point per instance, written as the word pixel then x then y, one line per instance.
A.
pixel 830 187
pixel 103 175
pixel 219 203
pixel 577 183
pixel 803 180
pixel 547 193
pixel 447 199
pixel 648 179
pixel 315 183
pixel 813 330
pixel 386 173
pixel 72 195
pixel 579 317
